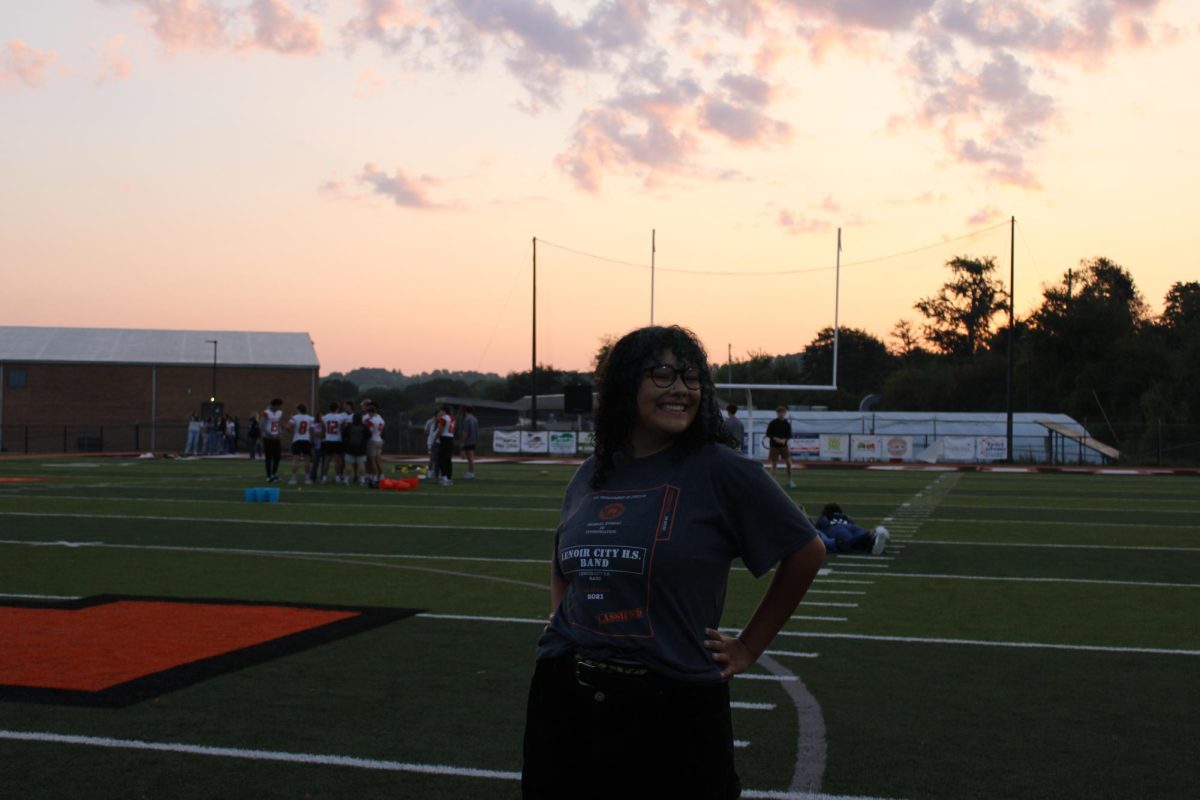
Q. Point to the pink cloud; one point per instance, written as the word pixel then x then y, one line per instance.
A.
pixel 393 25
pixel 23 65
pixel 114 66
pixel 647 131
pixel 795 223
pixel 278 28
pixel 251 24
pixel 984 216
pixel 186 24
pixel 398 187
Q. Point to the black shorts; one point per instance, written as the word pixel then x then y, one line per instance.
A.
pixel 303 447
pixel 660 738
pixel 468 448
pixel 332 448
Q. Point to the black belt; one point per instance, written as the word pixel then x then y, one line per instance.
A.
pixel 627 678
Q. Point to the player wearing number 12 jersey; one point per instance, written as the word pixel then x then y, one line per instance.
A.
pixel 332 450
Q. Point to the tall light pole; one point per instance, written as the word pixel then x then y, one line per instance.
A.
pixel 213 342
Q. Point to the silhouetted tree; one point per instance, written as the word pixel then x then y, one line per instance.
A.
pixel 959 317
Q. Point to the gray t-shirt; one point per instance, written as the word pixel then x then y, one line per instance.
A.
pixel 647 557
pixel 470 428
pixel 736 430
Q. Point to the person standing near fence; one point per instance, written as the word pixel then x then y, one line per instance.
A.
pixel 737 431
pixel 194 428
pixel 779 436
pixel 253 434
pixel 445 442
pixel 272 427
pixel 469 427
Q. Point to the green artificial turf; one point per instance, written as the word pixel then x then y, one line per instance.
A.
pixel 1027 635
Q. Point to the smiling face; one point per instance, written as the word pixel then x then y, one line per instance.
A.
pixel 663 413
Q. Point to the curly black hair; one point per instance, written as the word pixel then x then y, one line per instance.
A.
pixel 620 376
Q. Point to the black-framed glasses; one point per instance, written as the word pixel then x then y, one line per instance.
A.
pixel 664 375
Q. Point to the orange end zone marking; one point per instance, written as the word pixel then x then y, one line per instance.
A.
pixel 90 649
pixel 23 479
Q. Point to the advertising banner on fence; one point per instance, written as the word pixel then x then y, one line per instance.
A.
pixel 897 448
pixel 805 446
pixel 867 448
pixel 958 449
pixel 535 442
pixel 835 446
pixel 585 443
pixel 991 448
pixel 562 443
pixel 506 442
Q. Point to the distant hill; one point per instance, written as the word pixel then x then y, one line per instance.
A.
pixel 376 377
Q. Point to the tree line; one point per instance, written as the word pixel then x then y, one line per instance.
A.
pixel 1091 349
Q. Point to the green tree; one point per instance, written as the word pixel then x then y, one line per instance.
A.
pixel 1085 352
pixel 863 366
pixel 959 317
pixel 338 389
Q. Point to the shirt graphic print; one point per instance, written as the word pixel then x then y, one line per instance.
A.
pixel 613 568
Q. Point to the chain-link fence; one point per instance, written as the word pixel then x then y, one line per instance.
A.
pixel 1140 444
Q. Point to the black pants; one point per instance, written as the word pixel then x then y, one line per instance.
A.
pixel 601 742
pixel 272 452
pixel 445 452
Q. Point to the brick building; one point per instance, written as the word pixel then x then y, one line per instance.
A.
pixel 80 389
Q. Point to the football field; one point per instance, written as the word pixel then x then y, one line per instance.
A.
pixel 1026 635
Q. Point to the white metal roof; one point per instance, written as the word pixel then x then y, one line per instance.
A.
pixel 136 346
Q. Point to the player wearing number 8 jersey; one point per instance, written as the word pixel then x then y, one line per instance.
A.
pixel 301 428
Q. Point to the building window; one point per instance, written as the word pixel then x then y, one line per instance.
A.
pixel 17 378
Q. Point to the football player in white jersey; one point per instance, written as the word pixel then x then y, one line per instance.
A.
pixel 272 427
pixel 331 449
pixel 301 428
pixel 375 423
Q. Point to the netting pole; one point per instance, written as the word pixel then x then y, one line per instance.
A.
pixel 1008 387
pixel 652 251
pixel 837 292
pixel 533 370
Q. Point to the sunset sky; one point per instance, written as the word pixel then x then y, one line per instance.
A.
pixel 373 172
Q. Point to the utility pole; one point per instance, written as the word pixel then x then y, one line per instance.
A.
pixel 213 397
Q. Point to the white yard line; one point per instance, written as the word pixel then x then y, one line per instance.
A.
pixel 835 591
pixel 1061 546
pixel 288 522
pixel 318 759
pixel 986 643
pixel 263 552
pixel 1020 579
pixel 261 755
